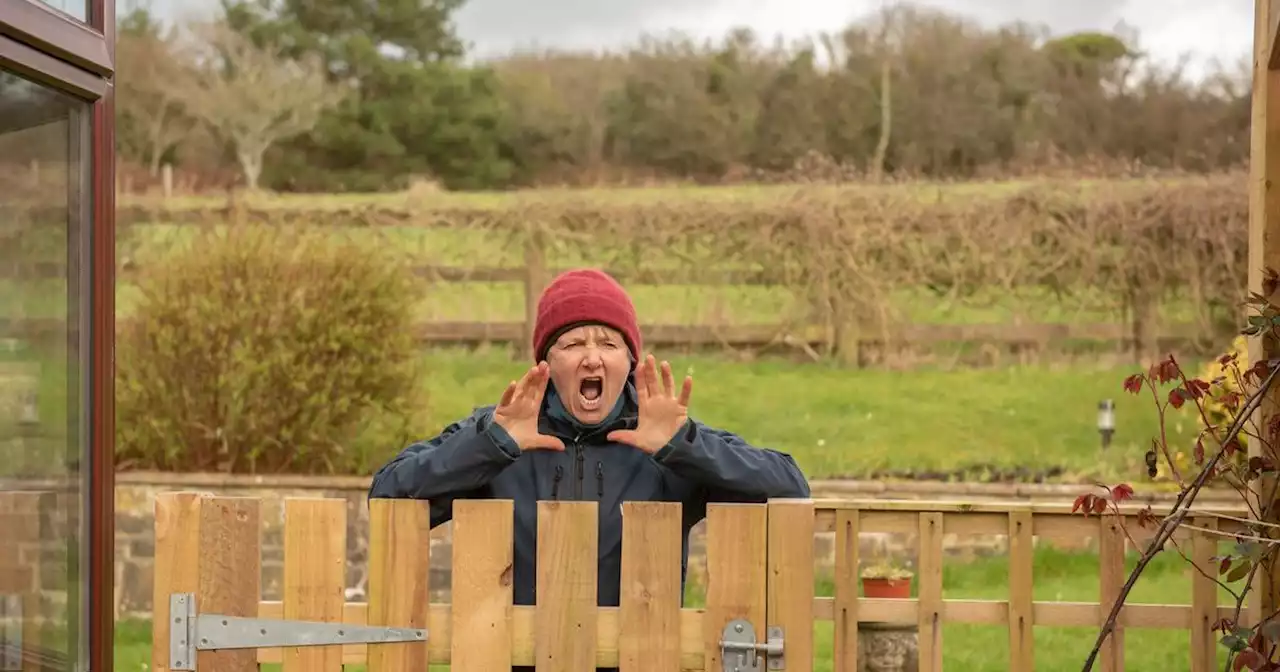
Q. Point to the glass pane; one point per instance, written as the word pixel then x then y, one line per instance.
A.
pixel 76 8
pixel 44 225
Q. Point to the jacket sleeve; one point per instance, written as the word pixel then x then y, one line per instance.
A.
pixel 730 469
pixel 456 464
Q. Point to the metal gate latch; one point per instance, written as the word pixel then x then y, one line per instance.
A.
pixel 740 652
pixel 191 631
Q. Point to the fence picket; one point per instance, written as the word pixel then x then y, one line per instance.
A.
pixel 759 557
pixel 929 618
pixel 481 596
pixel 177 564
pixel 1204 597
pixel 737 537
pixel 399 570
pixel 1021 591
pixel 790 579
pixel 315 560
pixel 565 618
pixel 230 570
pixel 649 612
pixel 847 524
pixel 1111 575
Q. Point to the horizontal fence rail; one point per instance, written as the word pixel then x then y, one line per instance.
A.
pixel 760 567
pixel 921 335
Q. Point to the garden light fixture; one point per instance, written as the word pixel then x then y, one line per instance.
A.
pixel 1106 421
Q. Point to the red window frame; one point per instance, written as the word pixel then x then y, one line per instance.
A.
pixel 60 51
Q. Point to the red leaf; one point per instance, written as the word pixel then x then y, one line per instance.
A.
pixel 1133 384
pixel 1224 566
pixel 1197 388
pixel 1164 371
pixel 1257 372
pixel 1146 517
pixel 1231 447
pixel 1226 359
pixel 1082 501
pixel 1248 658
pixel 1231 400
pixel 1099 505
pixel 1175 397
pixel 1122 492
pixel 1199 451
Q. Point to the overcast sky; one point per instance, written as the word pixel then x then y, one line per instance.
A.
pixel 1201 29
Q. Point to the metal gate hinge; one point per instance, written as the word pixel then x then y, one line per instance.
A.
pixel 740 652
pixel 191 631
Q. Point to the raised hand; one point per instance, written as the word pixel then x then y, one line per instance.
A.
pixel 517 411
pixel 662 413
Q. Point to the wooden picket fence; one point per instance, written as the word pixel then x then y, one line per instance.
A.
pixel 760 567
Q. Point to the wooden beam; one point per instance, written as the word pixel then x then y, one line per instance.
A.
pixel 1273 24
pixel 1264 248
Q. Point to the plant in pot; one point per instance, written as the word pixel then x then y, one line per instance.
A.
pixel 886 580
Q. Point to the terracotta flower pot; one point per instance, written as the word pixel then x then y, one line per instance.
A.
pixel 886 588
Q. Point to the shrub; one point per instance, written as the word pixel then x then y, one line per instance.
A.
pixel 1226 385
pixel 268 349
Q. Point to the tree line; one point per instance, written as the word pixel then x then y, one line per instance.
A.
pixel 344 95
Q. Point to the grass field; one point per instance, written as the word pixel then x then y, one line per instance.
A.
pixel 840 422
pixel 1013 422
pixel 1059 576
pixel 1008 423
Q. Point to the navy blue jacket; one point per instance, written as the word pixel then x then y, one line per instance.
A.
pixel 476 459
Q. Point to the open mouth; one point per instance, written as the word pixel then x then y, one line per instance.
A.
pixel 590 391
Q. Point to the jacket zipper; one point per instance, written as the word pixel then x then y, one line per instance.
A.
pixel 600 480
pixel 555 484
pixel 580 460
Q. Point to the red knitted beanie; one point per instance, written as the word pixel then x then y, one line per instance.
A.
pixel 584 296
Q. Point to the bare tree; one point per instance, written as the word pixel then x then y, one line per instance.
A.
pixel 253 95
pixel 147 71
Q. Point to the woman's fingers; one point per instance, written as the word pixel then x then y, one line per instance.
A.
pixel 508 395
pixel 668 381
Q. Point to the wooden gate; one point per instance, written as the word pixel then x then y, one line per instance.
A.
pixel 760 577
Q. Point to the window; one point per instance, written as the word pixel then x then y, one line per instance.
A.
pixel 57 327
pixel 76 8
pixel 44 185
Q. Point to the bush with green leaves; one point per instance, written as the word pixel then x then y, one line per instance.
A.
pixel 269 349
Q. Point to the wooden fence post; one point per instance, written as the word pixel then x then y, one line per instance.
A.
pixel 790 580
pixel 649 612
pixel 399 571
pixel 1021 590
pixel 481 594
pixel 1111 576
pixel 536 279
pixel 565 617
pixel 209 546
pixel 846 597
pixel 929 619
pixel 315 560
pixel 737 541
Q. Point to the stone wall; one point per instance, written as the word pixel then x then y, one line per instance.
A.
pixel 135 539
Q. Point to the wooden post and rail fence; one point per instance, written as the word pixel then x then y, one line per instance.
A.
pixel 1142 335
pixel 760 587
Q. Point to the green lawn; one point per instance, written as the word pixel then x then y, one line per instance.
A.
pixel 859 422
pixel 1008 423
pixel 1059 576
